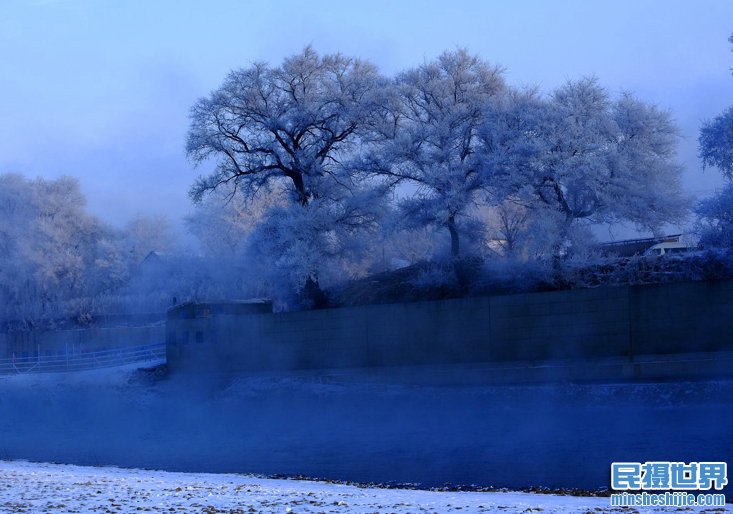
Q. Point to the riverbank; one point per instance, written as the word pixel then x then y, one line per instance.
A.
pixel 41 487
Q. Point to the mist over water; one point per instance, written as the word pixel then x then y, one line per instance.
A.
pixel 506 436
pixel 373 156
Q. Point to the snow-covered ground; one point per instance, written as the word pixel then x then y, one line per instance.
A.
pixel 30 488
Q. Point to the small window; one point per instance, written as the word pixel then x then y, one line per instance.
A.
pixel 199 337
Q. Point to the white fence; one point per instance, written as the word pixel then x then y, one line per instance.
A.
pixel 150 354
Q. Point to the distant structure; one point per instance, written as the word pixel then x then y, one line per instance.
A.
pixel 632 247
pixel 155 260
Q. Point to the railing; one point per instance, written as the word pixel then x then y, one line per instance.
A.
pixel 150 354
pixel 674 238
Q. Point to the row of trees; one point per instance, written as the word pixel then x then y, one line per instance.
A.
pixel 346 154
pixel 60 261
pixel 327 170
pixel 60 264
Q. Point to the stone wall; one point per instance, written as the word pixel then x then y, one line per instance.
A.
pixel 625 324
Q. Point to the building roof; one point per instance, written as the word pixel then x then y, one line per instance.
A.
pixel 631 247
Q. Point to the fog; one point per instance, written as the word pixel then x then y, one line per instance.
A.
pixel 563 435
pixel 581 118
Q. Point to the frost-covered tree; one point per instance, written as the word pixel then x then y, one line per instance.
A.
pixel 716 143
pixel 716 149
pixel 52 251
pixel 439 111
pixel 223 220
pixel 294 122
pixel 61 262
pixel 506 227
pixel 145 234
pixel 328 240
pixel 581 157
pixel 715 224
pixel 293 126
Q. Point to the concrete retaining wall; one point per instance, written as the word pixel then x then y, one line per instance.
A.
pixel 621 324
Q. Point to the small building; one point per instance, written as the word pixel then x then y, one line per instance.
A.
pixel 632 247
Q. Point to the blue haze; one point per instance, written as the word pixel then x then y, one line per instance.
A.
pixel 101 90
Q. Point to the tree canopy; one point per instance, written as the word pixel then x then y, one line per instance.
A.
pixel 716 141
pixel 297 121
pixel 441 107
pixel 581 156
pixel 716 149
pixel 356 153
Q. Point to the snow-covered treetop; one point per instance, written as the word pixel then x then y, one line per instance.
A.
pixel 293 121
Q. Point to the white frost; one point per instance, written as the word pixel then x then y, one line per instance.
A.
pixel 41 487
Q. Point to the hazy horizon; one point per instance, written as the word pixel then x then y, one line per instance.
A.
pixel 102 91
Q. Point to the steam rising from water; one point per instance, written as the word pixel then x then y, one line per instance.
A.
pixel 514 436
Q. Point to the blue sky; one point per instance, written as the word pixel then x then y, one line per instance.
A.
pixel 101 89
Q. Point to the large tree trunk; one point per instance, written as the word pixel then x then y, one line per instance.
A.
pixel 312 296
pixel 461 267
pixel 562 238
pixel 455 247
pixel 299 185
